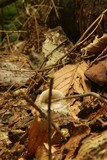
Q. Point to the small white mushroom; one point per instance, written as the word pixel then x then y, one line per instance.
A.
pixel 59 106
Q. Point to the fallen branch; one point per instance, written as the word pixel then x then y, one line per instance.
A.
pixel 83 95
pixel 49 118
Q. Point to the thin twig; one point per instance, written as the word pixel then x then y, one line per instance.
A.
pixel 49 117
pixel 83 95
pixel 98 59
pixel 81 41
pixel 98 20
pixel 53 3
pixel 8 42
pixel 4 31
pixel 37 31
pixel 48 12
pixel 101 56
pixel 84 40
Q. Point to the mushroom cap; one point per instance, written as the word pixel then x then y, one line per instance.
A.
pixel 59 106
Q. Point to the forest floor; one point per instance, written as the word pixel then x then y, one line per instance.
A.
pixel 77 73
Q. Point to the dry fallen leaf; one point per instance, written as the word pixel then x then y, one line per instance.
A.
pixel 69 80
pixel 14 69
pixel 71 77
pixel 54 46
pixel 78 133
pixel 96 46
pixel 93 146
pixel 98 73
pixel 37 134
